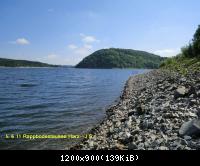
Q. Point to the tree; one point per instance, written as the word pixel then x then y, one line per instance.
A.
pixel 196 42
pixel 193 49
pixel 188 51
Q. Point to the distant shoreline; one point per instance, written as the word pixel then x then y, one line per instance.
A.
pixel 4 62
pixel 24 67
pixel 80 68
pixel 36 67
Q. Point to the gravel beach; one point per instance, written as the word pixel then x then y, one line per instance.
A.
pixel 158 110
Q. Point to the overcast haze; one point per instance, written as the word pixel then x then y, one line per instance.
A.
pixel 65 31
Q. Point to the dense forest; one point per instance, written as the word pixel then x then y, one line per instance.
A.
pixel 22 63
pixel 121 58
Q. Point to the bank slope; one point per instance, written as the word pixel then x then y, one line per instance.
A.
pixel 188 61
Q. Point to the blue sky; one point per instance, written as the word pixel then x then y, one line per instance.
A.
pixel 65 31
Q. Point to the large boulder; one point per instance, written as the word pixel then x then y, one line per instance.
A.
pixel 191 128
pixel 180 92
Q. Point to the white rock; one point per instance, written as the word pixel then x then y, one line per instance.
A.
pixel 163 148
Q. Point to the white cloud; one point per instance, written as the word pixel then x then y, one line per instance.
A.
pixel 21 41
pixel 72 46
pixel 79 52
pixel 167 52
pixel 52 56
pixel 88 46
pixel 88 39
pixel 82 51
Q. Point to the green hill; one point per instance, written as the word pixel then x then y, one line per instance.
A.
pixel 22 63
pixel 121 58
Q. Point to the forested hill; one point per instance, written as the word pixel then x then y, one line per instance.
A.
pixel 22 63
pixel 121 58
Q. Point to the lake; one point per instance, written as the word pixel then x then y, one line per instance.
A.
pixel 55 101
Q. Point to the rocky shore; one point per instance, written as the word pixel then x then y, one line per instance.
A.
pixel 158 110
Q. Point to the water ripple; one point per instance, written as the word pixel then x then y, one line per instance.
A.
pixel 55 100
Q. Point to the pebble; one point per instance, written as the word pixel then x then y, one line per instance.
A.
pixel 157 111
pixel 132 146
pixel 163 148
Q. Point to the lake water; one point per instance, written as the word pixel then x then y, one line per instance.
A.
pixel 55 101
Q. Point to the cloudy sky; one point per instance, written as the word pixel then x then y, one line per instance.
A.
pixel 65 31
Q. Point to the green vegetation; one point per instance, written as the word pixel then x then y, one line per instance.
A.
pixel 188 60
pixel 193 49
pixel 22 63
pixel 121 58
pixel 182 64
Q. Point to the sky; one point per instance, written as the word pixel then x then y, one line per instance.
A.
pixel 65 31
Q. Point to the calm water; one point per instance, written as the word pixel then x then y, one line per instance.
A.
pixel 54 101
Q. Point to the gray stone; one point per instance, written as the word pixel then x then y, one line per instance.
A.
pixel 91 144
pixel 172 88
pixel 171 115
pixel 136 131
pixel 146 144
pixel 162 120
pixel 180 92
pixel 118 124
pixel 179 147
pixel 191 90
pixel 191 128
pixel 140 109
pixel 198 113
pixel 147 125
pixel 132 146
pixel 187 138
pixel 127 134
pixel 109 123
pixel 119 146
pixel 138 121
pixel 163 148
pixel 183 142
pixel 193 115
pixel 128 123
pixel 166 105
pixel 131 113
pixel 187 148
pixel 176 144
pixel 153 137
pixel 198 93
pixel 141 146
pixel 147 116
pixel 134 119
pixel 121 134
pixel 111 130
pixel 159 118
pixel 115 136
